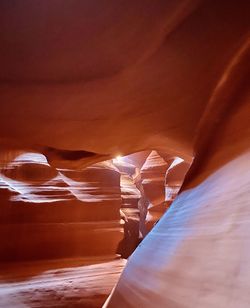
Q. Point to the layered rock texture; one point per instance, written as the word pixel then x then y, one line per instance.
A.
pixel 153 181
pixel 84 81
pixel 130 211
pixel 205 233
pixel 162 176
pixel 99 210
pixel 49 213
pixel 174 178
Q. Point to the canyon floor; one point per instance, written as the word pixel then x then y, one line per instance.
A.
pixel 83 282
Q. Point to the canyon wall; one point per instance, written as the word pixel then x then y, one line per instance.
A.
pixel 48 213
pixel 100 210
pixel 84 81
pixel 198 253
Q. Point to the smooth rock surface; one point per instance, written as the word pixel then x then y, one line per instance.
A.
pixel 198 254
pixel 130 208
pixel 58 283
pixel 85 81
pixel 153 181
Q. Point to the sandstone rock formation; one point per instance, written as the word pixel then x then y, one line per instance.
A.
pixel 174 178
pixel 128 89
pixel 59 213
pixel 85 81
pixel 130 208
pixel 153 181
pixel 199 249
pixel 79 206
pixel 77 282
pixel 138 159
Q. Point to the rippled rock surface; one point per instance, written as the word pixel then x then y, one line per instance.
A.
pixel 49 213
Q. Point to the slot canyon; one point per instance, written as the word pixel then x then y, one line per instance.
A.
pixel 125 153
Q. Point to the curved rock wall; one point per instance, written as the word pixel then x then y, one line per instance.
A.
pixel 174 178
pixel 198 254
pixel 153 181
pixel 50 214
pixel 130 208
pixel 81 82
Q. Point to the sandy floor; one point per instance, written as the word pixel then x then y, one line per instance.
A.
pixel 58 283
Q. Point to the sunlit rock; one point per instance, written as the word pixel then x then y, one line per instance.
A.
pixel 130 208
pixel 153 181
pixel 76 213
pixel 174 179
pixel 85 81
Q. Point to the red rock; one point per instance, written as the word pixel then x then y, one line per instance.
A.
pixel 84 282
pixel 130 208
pixel 153 181
pixel 84 81
pixel 76 213
pixel 174 179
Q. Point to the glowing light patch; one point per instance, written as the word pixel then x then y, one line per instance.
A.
pixel 177 161
pixel 117 159
pixel 31 158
